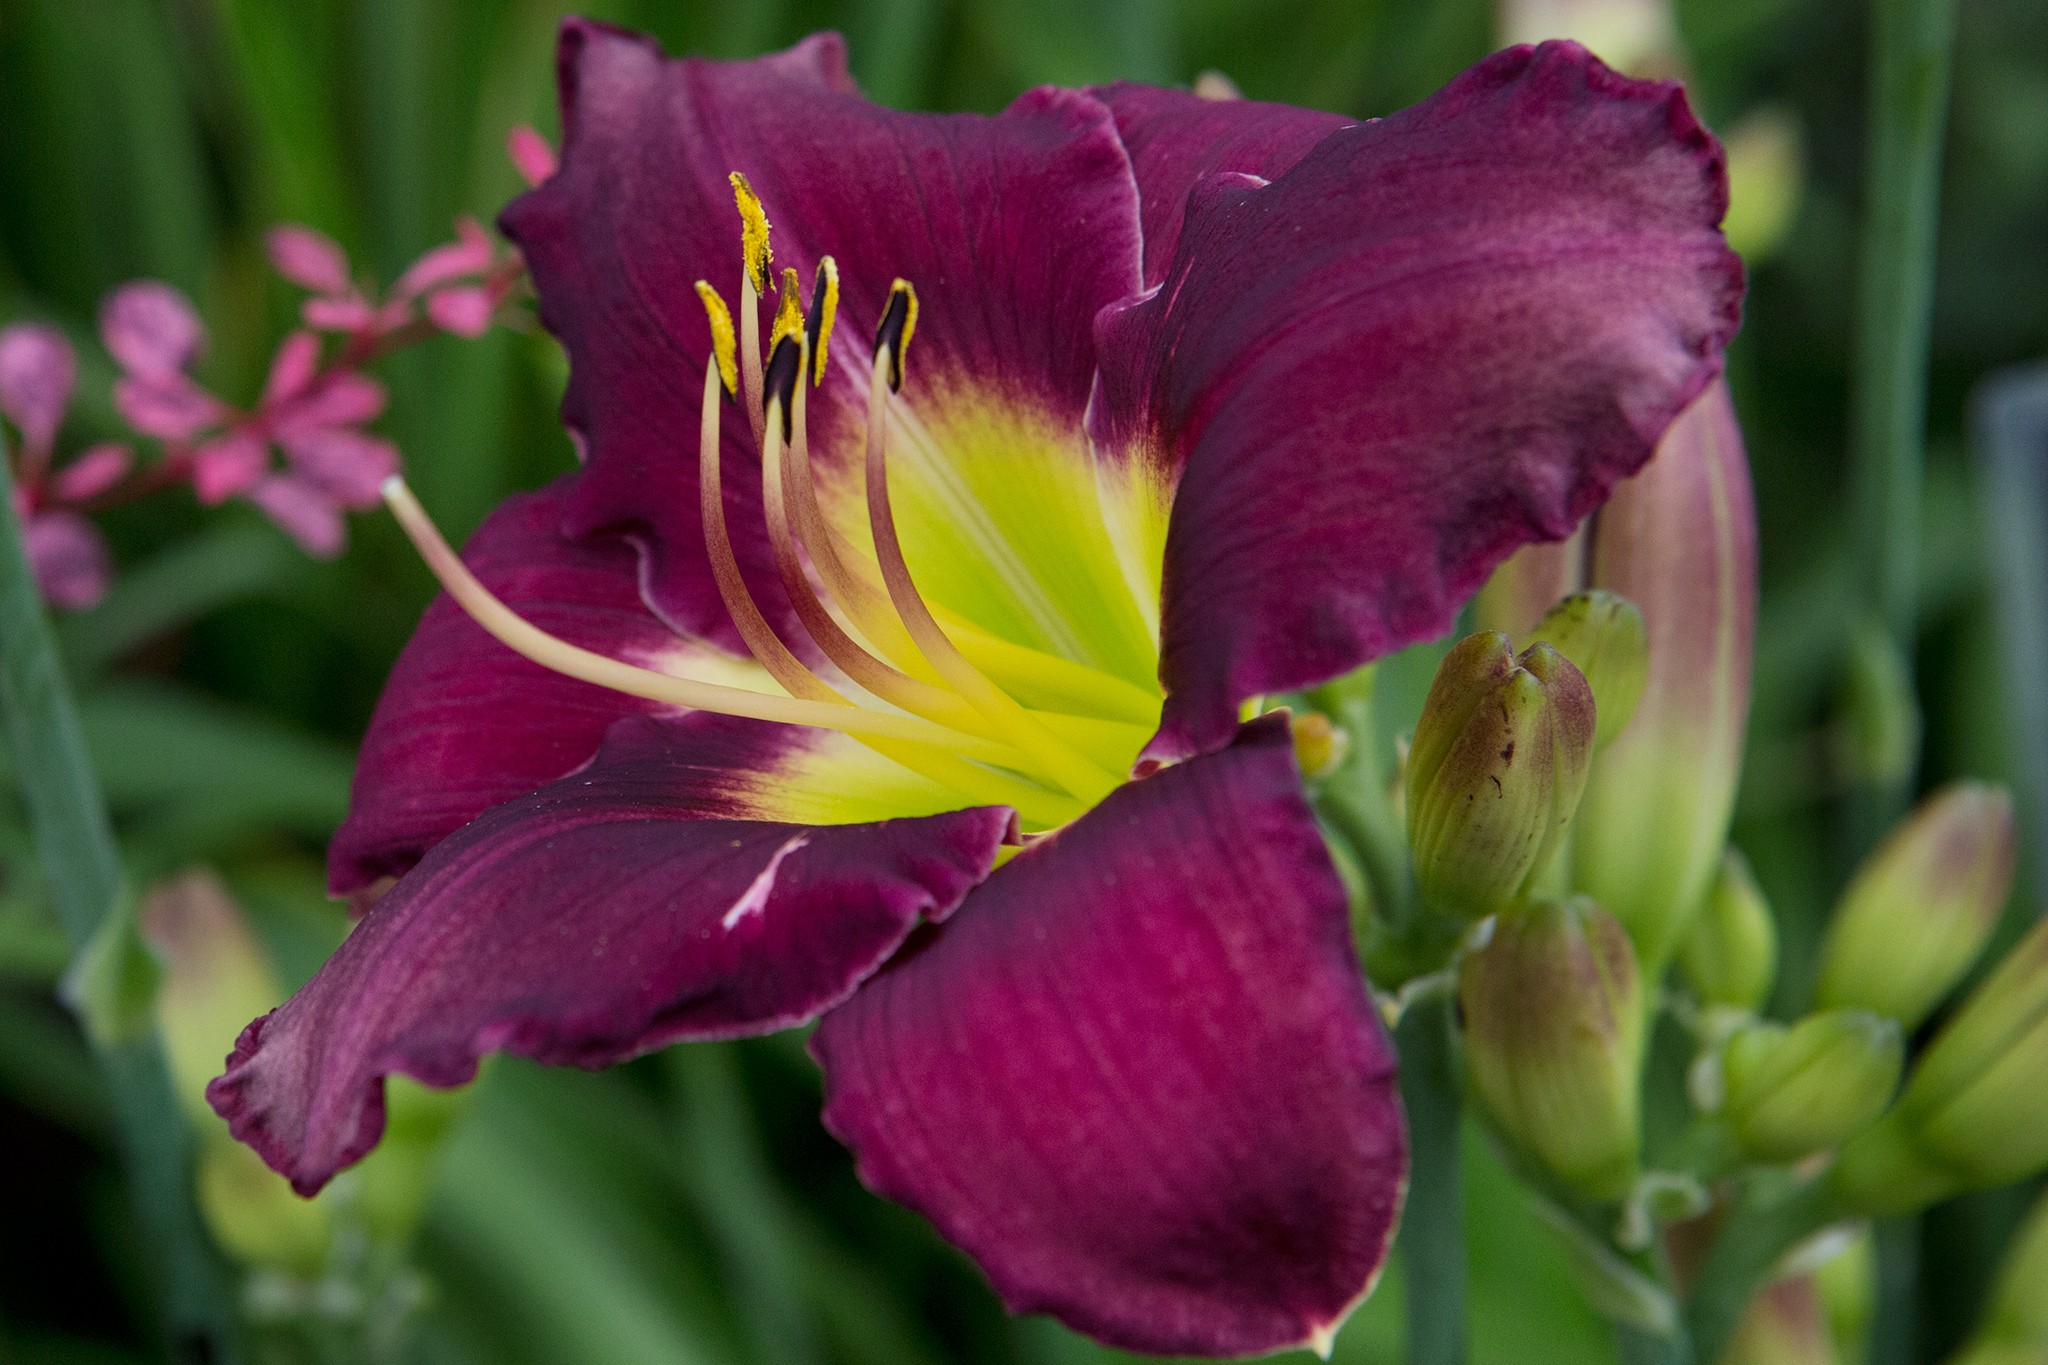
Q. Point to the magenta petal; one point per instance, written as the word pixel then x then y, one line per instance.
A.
pixel 596 919
pixel 471 255
pixel 169 407
pixel 69 559
pixel 464 310
pixel 463 723
pixel 228 466
pixel 1015 229
pixel 531 154
pixel 304 511
pixel 1437 337
pixel 1176 139
pixel 293 367
pixel 1138 1076
pixel 97 468
pixel 349 314
pixel 309 259
pixel 37 372
pixel 151 329
pixel 349 466
pixel 340 399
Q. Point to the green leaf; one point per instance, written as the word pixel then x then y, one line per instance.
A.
pixel 113 981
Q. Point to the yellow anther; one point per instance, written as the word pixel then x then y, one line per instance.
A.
pixel 753 232
pixel 899 320
pixel 789 313
pixel 824 308
pixel 724 346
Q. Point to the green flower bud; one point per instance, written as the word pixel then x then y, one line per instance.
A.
pixel 1975 1110
pixel 1603 635
pixel 1921 907
pixel 1554 1039
pixel 2015 1325
pixel 1731 956
pixel 1495 772
pixel 1793 1092
pixel 1785 1324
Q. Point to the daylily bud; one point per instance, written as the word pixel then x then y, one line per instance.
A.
pixel 1604 636
pixel 1879 737
pixel 1793 1092
pixel 1785 1324
pixel 1499 759
pixel 1921 907
pixel 1731 956
pixel 1678 540
pixel 1553 1040
pixel 1319 745
pixel 1975 1111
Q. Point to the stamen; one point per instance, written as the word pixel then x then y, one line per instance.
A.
pixel 531 642
pixel 724 349
pixel 824 311
pixel 754 259
pixel 1063 763
pixel 754 252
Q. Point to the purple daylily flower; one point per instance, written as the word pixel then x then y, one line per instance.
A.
pixel 833 715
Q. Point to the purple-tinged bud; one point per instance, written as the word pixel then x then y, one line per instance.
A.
pixel 1499 759
pixel 1603 635
pixel 1679 541
pixel 1793 1092
pixel 1785 1324
pixel 1553 1016
pixel 1730 958
pixel 1975 1110
pixel 1921 907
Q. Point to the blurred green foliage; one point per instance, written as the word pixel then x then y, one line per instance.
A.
pixel 688 1207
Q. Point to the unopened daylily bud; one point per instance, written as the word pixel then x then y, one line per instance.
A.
pixel 1879 739
pixel 216 978
pixel 1499 758
pixel 2015 1323
pixel 1975 1110
pixel 1731 956
pixel 1553 1040
pixel 1679 541
pixel 1793 1092
pixel 1785 1324
pixel 1603 635
pixel 1921 907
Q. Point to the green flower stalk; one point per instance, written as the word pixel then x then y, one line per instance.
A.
pixel 1554 1039
pixel 1679 541
pixel 1499 759
pixel 1922 906
pixel 1731 956
pixel 1975 1110
pixel 1793 1092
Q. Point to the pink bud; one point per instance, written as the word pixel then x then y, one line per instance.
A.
pixel 308 258
pixel 531 155
pixel 293 367
pixel 349 466
pixel 70 561
pixel 171 408
pixel 337 315
pixel 96 470
pixel 341 399
pixel 302 512
pixel 230 465
pixel 470 254
pixel 464 310
pixel 37 372
pixel 151 329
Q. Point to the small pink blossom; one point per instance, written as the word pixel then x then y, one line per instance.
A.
pixel 151 329
pixel 37 373
pixel 348 466
pixel 69 559
pixel 302 511
pixel 97 469
pixel 308 258
pixel 531 155
pixel 464 310
pixel 229 465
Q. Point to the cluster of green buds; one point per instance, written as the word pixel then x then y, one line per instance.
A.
pixel 295 1253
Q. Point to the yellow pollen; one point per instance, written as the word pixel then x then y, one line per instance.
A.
pixel 754 250
pixel 724 344
pixel 789 313
pixel 899 320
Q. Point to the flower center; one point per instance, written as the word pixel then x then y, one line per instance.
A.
pixel 918 684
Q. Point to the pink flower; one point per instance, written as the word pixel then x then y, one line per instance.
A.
pixel 37 372
pixel 70 561
pixel 451 283
pixel 531 155
pixel 153 331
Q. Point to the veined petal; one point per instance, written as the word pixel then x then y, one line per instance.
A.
pixel 1015 229
pixel 1137 1075
pixel 605 915
pixel 1177 139
pixel 464 724
pixel 1438 336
